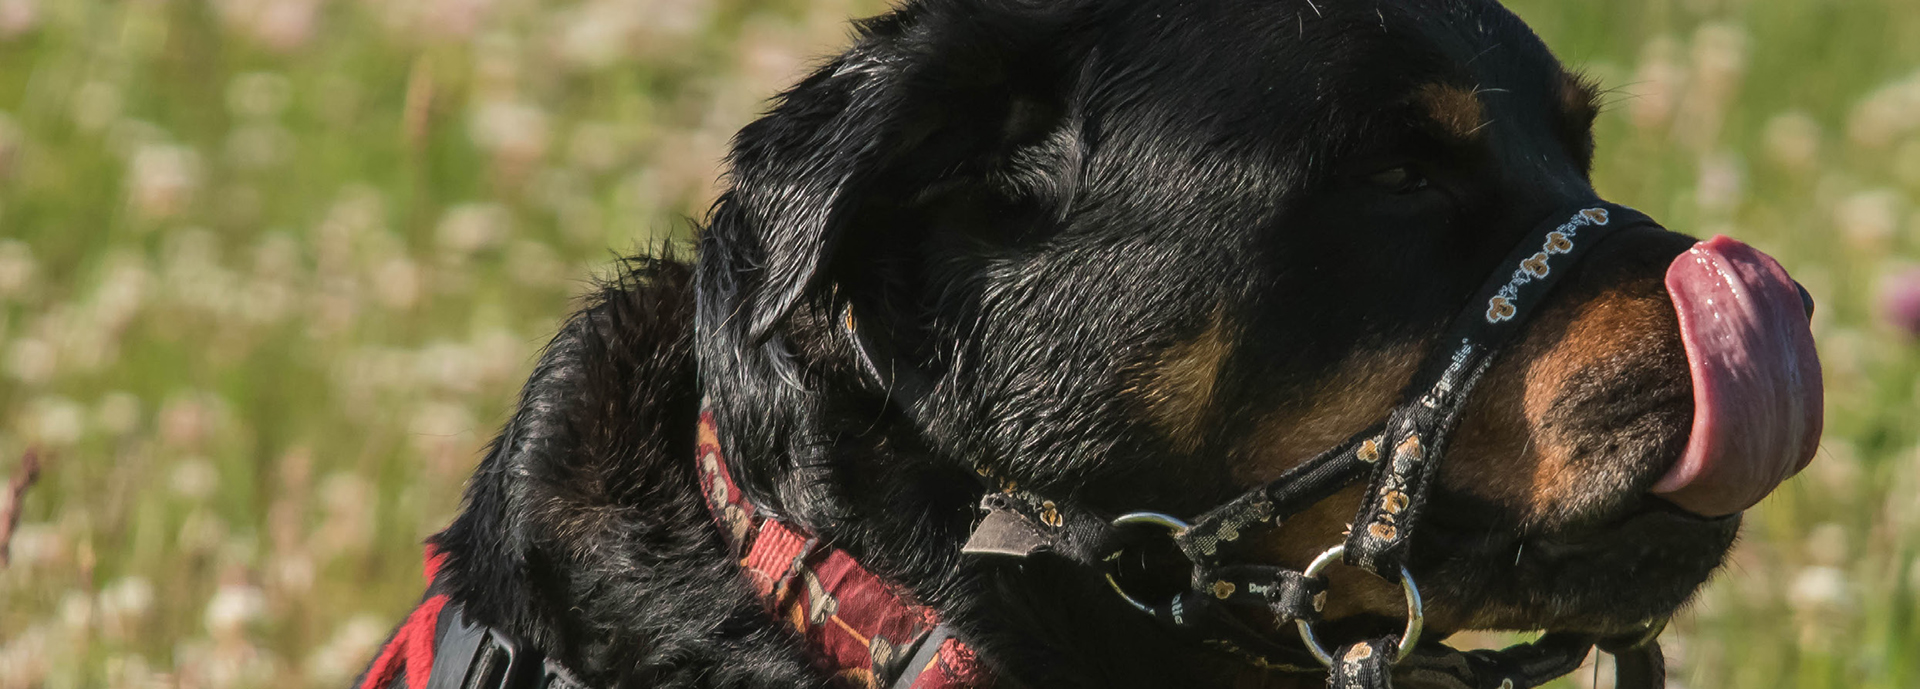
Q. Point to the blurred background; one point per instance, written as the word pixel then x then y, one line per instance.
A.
pixel 272 270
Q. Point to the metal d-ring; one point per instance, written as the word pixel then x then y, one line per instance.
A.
pixel 1416 610
pixel 1173 526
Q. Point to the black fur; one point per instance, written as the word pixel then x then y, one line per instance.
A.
pixel 1030 202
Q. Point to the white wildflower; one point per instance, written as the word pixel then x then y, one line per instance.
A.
pixel 163 179
pixel 1819 590
pixel 195 478
pixel 55 421
pixel 1827 545
pixel 31 360
pixel 1721 185
pixel 1870 218
pixel 470 227
pixel 513 131
pixel 396 283
pixel 1792 141
pixel 76 612
pixel 18 17
pixel 1658 85
pixel 118 412
pixel 124 605
pixel 234 607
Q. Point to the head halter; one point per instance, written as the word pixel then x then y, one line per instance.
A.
pixel 1399 456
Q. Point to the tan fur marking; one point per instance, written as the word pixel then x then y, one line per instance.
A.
pixel 1579 99
pixel 1360 391
pixel 1457 110
pixel 1178 386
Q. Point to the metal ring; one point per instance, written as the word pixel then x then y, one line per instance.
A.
pixel 1171 524
pixel 1416 610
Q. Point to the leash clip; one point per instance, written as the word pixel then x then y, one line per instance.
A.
pixel 1416 611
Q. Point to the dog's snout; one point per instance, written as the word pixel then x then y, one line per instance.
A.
pixel 1806 298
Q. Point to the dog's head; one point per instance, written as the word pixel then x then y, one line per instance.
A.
pixel 1152 253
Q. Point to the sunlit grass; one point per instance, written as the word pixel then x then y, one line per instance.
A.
pixel 271 271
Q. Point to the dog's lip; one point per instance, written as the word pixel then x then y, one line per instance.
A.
pixel 1532 565
pixel 1568 543
pixel 1586 542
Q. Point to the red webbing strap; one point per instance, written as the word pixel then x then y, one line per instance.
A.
pixel 412 645
pixel 858 627
pixel 954 666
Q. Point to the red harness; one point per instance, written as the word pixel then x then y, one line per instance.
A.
pixel 859 629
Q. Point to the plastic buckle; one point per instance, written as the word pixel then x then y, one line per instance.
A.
pixel 466 642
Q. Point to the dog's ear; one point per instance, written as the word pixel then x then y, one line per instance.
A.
pixel 934 92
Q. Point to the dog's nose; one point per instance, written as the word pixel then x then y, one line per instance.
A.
pixel 1806 298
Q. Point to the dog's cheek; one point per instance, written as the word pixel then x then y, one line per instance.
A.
pixel 1176 388
pixel 1359 392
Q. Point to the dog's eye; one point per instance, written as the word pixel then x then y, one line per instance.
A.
pixel 1398 180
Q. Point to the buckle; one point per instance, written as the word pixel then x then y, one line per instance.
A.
pixel 466 643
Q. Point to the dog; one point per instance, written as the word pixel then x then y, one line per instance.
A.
pixel 1136 255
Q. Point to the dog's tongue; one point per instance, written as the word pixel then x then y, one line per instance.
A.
pixel 1756 378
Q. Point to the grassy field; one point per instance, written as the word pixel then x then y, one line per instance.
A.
pixel 271 270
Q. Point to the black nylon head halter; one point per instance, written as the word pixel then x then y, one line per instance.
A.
pixel 1400 457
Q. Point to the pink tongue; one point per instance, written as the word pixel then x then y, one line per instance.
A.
pixel 1756 379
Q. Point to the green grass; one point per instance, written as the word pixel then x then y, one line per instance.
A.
pixel 271 271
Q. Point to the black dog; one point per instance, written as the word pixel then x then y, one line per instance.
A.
pixel 1144 254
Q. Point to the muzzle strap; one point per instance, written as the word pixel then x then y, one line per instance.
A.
pixel 1420 427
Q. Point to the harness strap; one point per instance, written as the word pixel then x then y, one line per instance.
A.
pixel 1523 666
pixel 1212 535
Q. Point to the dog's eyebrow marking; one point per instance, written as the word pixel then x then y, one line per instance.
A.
pixel 1579 99
pixel 1456 110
